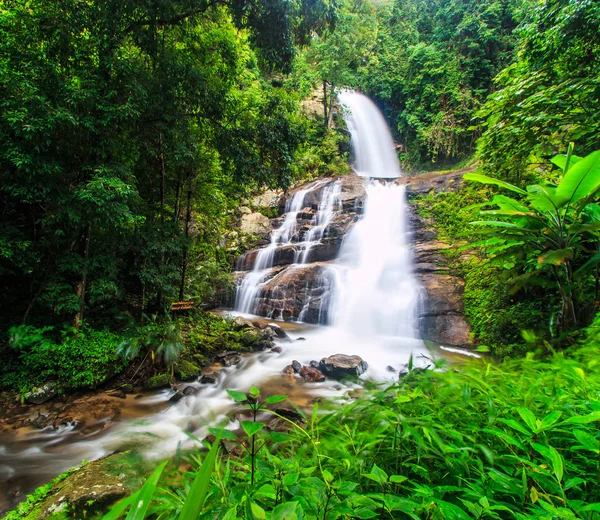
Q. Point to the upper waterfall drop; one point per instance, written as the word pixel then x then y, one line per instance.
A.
pixel 371 142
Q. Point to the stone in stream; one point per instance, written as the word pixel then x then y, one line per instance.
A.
pixel 339 366
pixel 288 370
pixel 191 390
pixel 42 394
pixel 240 323
pixel 177 396
pixel 314 364
pixel 277 350
pixel 281 334
pixel 311 375
pixel 229 361
pixel 296 366
pixel 207 379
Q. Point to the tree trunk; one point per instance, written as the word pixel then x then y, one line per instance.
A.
pixel 81 285
pixel 184 263
pixel 325 114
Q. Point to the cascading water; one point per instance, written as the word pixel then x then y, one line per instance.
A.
pixel 249 295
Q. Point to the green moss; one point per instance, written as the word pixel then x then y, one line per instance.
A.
pixel 158 381
pixel 186 370
pixel 30 508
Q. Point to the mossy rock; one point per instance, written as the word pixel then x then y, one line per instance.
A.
pixel 159 381
pixel 186 370
pixel 84 492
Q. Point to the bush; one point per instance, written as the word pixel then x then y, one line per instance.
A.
pixel 82 360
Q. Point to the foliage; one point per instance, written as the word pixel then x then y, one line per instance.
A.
pixel 497 317
pixel 544 234
pixel 515 439
pixel 550 96
pixel 162 339
pixel 127 133
pixel 80 359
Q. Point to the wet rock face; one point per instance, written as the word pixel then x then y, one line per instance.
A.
pixel 303 292
pixel 441 317
pixel 299 291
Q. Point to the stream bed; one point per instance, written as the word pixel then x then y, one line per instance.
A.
pixel 150 423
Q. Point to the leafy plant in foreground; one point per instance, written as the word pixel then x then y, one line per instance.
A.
pixel 551 229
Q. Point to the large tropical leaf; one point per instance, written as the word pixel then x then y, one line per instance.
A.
pixel 587 267
pixel 484 179
pixel 560 160
pixel 582 179
pixel 556 257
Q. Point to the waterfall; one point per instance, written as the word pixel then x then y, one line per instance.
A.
pixel 372 143
pixel 376 292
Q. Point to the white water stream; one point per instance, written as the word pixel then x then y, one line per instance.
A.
pixel 373 311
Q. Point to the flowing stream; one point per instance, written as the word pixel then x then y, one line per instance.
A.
pixel 371 310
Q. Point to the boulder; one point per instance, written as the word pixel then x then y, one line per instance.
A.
pixel 339 366
pixel 288 370
pixel 229 361
pixel 42 394
pixel 240 323
pixel 177 396
pixel 93 487
pixel 191 390
pixel 296 366
pixel 255 224
pixel 279 332
pixel 277 350
pixel 311 375
pixel 268 199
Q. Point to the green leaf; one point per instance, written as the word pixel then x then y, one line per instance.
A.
pixel 197 495
pixel 484 179
pixel 280 437
pixel 528 418
pixel 556 257
pixel 582 179
pixel 238 397
pixel 588 441
pixel 560 160
pixel 140 506
pixel 550 419
pixel 273 399
pixel 397 479
pixel 120 507
pixel 251 428
pixel 587 267
pixel 225 433
pixel 258 513
pixel 285 511
pixel 254 391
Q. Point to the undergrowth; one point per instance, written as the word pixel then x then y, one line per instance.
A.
pixel 513 440
pixel 497 316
